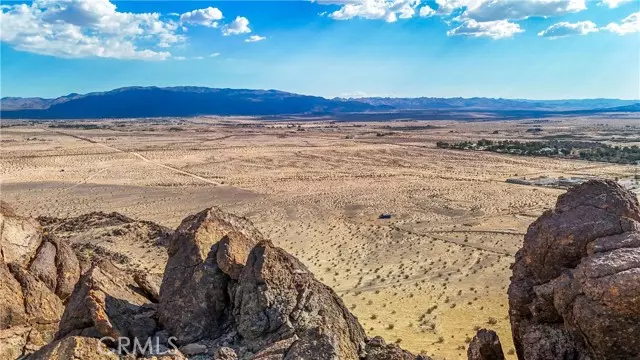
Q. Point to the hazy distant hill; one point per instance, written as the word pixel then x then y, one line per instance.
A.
pixel 18 103
pixel 175 101
pixel 131 102
pixel 629 108
pixel 481 103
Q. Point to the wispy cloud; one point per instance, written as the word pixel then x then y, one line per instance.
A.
pixel 564 29
pixel 255 38
pixel 493 10
pixel 387 10
pixel 614 3
pixel 629 25
pixel 498 29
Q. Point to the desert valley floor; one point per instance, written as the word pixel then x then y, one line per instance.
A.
pixel 428 277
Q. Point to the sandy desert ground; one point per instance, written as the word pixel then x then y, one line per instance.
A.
pixel 427 278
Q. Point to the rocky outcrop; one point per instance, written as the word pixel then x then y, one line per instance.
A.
pixel 44 265
pixel 277 298
pixel 194 281
pixel 232 253
pixel 485 346
pixel 226 293
pixel 36 274
pixel 12 311
pixel 20 237
pixel 56 265
pixel 575 290
pixel 107 303
pixel 242 297
pixel 41 305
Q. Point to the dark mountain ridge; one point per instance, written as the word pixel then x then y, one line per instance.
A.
pixel 133 102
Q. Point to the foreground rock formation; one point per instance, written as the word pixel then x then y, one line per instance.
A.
pixel 575 290
pixel 37 275
pixel 241 292
pixel 227 293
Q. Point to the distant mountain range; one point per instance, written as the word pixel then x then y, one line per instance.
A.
pixel 133 102
pixel 481 103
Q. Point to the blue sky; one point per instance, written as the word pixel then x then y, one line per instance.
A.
pixel 537 49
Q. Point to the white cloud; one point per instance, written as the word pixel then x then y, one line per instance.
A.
pixel 215 54
pixel 629 25
pixel 255 38
pixel 426 11
pixel 492 10
pixel 564 28
pixel 86 28
pixel 238 26
pixel 613 3
pixel 498 29
pixel 387 10
pixel 205 17
pixel 446 7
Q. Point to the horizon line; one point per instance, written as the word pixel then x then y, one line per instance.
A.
pixel 328 97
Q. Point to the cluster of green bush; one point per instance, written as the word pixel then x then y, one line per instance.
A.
pixel 79 126
pixel 572 149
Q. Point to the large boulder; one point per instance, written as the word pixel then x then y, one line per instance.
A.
pixel 41 305
pixel 194 281
pixel 575 288
pixel 278 298
pixel 67 268
pixel 29 308
pixel 43 265
pixel 233 251
pixel 485 346
pixel 29 312
pixel 48 258
pixel 106 302
pixel 56 265
pixel 20 237
pixel 12 311
pixel 241 296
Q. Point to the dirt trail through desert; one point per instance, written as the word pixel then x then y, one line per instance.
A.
pixel 141 157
